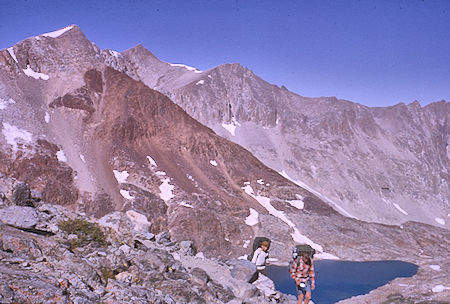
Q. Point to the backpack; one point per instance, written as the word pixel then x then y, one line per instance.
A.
pixel 256 244
pixel 303 248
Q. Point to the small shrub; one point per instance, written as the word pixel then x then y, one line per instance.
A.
pixel 85 231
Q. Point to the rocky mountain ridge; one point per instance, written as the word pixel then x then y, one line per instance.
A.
pixel 386 165
pixel 84 133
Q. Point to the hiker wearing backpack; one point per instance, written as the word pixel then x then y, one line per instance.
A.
pixel 260 257
pixel 302 271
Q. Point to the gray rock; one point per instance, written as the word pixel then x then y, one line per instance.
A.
pixel 199 276
pixel 187 247
pixel 22 195
pixel 163 237
pixel 241 269
pixel 18 216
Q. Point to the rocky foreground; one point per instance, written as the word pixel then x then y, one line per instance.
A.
pixel 49 254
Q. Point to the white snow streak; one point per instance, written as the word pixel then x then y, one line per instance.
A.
pixel 435 267
pixel 440 220
pixel 152 161
pixel 186 67
pixel 126 194
pixel 58 33
pixel 296 236
pixel 252 219
pixel 114 53
pixel 61 156
pixel 166 190
pixel 246 243
pixel 29 72
pixel 82 158
pixel 326 256
pixel 47 117
pixel 322 197
pixel 440 288
pixel 11 52
pixel 121 177
pixel 200 82
pixel 184 204
pixel 230 128
pixel 213 162
pixel 260 181
pixel 12 133
pixel 5 103
pixel 299 204
pixel 400 209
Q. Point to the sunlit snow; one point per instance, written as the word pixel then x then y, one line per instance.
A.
pixel 440 220
pixel 260 181
pixel 184 204
pixel 4 103
pixel 265 202
pixel 82 158
pixel 400 209
pixel 160 173
pixel 166 190
pixel 252 219
pixel 126 194
pixel 61 156
pixel 299 204
pixel 246 243
pixel 12 133
pixel 186 67
pixel 58 33
pixel 114 53
pixel 440 288
pixel 121 177
pixel 213 162
pixel 11 52
pixel 200 82
pixel 152 161
pixel 29 72
pixel 47 117
pixel 435 267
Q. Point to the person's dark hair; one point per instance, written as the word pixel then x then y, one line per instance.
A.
pixel 308 259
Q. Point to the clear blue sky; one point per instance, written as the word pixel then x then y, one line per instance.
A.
pixel 376 53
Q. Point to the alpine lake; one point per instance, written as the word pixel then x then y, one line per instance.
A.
pixel 339 280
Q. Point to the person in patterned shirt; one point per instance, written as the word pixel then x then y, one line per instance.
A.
pixel 302 271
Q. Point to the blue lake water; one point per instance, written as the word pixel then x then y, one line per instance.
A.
pixel 338 280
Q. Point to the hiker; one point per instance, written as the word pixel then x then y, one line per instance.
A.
pixel 260 260
pixel 302 271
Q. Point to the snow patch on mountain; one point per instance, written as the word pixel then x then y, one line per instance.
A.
pixel 47 117
pixel 296 235
pixel 200 82
pixel 186 67
pixel 184 204
pixel 435 267
pixel 166 190
pixel 12 133
pixel 30 73
pixel 322 197
pixel 121 176
pixel 114 53
pixel 126 194
pixel 400 209
pixel 5 103
pixel 61 156
pixel 58 33
pixel 299 204
pixel 213 162
pixel 252 219
pixel 11 52
pixel 82 158
pixel 152 161
pixel 440 220
pixel 440 288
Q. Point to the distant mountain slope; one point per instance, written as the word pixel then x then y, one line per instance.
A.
pixel 387 165
pixel 79 127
